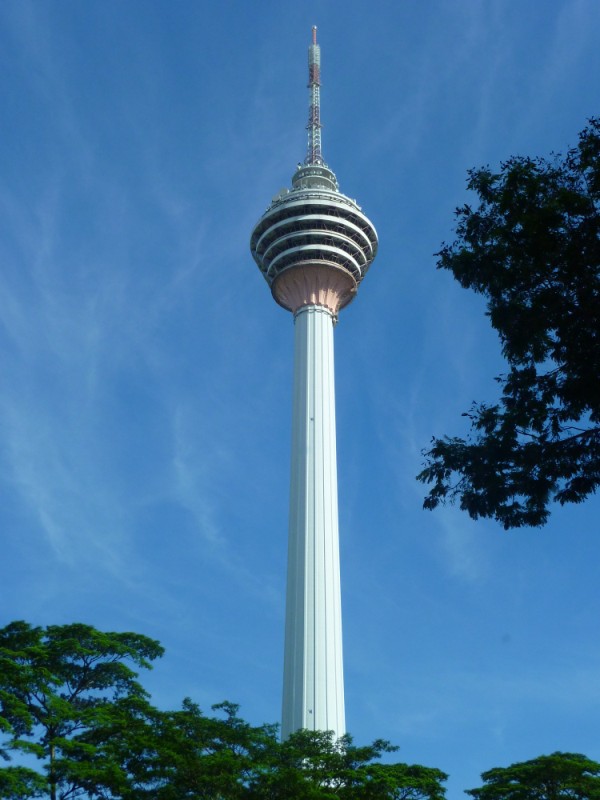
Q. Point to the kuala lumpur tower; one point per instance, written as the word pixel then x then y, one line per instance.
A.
pixel 313 246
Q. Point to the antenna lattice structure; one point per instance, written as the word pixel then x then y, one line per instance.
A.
pixel 314 155
pixel 313 246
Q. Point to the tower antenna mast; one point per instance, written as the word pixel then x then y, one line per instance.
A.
pixel 314 155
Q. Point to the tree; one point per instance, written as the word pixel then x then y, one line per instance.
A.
pixel 224 757
pixel 63 690
pixel 561 775
pixel 195 756
pixel 314 765
pixel 532 249
pixel 20 783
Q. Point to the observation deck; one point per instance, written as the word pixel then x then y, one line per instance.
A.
pixel 313 244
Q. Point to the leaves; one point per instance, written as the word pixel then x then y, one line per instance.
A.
pixel 70 697
pixel 532 248
pixel 314 764
pixel 62 691
pixel 561 775
pixel 20 783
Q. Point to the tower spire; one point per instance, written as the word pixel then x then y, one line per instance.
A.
pixel 314 155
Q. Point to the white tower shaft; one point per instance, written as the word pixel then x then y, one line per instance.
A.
pixel 313 681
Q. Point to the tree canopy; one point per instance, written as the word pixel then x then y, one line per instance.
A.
pixel 560 776
pixel 83 728
pixel 532 248
pixel 71 702
pixel 63 690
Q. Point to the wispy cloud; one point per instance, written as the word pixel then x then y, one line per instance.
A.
pixel 463 550
pixel 204 477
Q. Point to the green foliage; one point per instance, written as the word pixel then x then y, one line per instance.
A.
pixel 313 764
pixel 69 697
pixel 561 775
pixel 20 783
pixel 62 690
pixel 198 756
pixel 532 249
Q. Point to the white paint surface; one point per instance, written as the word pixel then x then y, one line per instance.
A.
pixel 313 682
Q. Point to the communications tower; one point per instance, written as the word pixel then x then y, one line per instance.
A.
pixel 313 245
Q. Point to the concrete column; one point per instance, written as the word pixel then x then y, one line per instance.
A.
pixel 313 681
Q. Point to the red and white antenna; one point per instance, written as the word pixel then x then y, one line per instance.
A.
pixel 314 155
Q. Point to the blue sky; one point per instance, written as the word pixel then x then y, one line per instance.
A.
pixel 145 393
